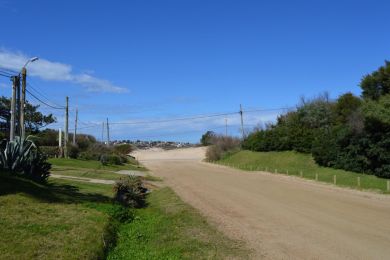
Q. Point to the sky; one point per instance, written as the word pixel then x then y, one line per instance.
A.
pixel 142 63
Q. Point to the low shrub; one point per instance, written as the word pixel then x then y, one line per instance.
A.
pixel 39 169
pixel 123 149
pixel 73 151
pixel 111 159
pixel 50 151
pixel 130 192
pixel 221 145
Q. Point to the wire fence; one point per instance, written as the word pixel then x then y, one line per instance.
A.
pixel 341 178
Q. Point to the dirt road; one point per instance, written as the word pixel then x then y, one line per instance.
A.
pixel 280 217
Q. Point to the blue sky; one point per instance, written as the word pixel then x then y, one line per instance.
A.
pixel 137 61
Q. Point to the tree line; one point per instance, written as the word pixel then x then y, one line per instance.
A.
pixel 351 132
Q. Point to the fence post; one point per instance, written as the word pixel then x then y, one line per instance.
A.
pixel 334 179
pixel 301 173
pixel 388 185
pixel 316 176
pixel 287 172
pixel 276 170
pixel 358 181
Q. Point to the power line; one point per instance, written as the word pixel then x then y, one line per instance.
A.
pixel 174 119
pixel 9 71
pixel 92 125
pixel 42 95
pixel 38 99
pixel 5 75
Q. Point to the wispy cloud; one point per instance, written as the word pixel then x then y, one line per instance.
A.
pixel 56 71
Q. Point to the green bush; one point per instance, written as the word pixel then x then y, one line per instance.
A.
pixel 130 192
pixel 123 149
pixel 111 159
pixel 50 151
pixel 39 169
pixel 73 151
pixel 220 146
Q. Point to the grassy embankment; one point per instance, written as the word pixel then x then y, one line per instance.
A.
pixel 68 219
pixel 90 169
pixel 294 163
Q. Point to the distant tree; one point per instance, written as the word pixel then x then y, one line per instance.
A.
pixel 207 138
pixel 377 83
pixel 34 119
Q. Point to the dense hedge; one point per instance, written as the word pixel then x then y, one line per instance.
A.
pixel 351 133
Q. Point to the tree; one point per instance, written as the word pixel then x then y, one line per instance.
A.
pixel 377 83
pixel 34 119
pixel 207 138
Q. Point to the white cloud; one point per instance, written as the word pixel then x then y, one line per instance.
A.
pixel 56 71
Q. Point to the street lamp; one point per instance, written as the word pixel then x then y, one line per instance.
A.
pixel 23 97
pixel 30 60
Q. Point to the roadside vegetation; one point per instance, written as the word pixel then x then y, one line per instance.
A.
pixel 344 141
pixel 170 229
pixel 302 165
pixel 350 133
pixel 71 219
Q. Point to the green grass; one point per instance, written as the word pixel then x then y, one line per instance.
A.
pixel 89 169
pixel 294 163
pixel 170 229
pixel 85 173
pixel 66 219
pixel 91 164
pixel 53 221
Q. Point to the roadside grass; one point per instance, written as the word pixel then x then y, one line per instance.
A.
pixel 294 163
pixel 85 173
pixel 150 177
pixel 90 169
pixel 170 229
pixel 53 221
pixel 91 164
pixel 66 219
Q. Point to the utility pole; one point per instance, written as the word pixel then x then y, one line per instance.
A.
pixel 22 104
pixel 226 127
pixel 103 133
pixel 242 122
pixel 15 80
pixel 66 128
pixel 75 126
pixel 60 142
pixel 108 133
pixel 17 108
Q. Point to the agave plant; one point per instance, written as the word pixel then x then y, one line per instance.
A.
pixel 22 156
pixel 15 155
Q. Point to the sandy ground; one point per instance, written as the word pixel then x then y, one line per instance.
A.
pixel 279 217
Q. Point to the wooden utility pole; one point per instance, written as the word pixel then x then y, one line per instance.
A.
pixel 17 108
pixel 66 128
pixel 242 122
pixel 22 104
pixel 108 133
pixel 226 127
pixel 75 126
pixel 13 108
pixel 60 142
pixel 102 132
